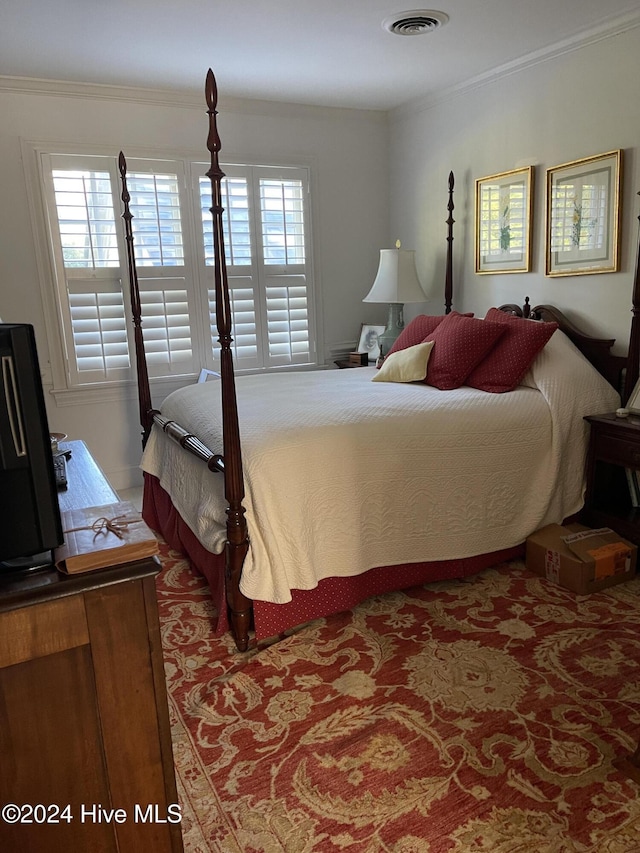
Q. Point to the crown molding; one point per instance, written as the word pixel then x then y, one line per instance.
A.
pixel 606 30
pixel 192 99
pixel 100 91
pixel 184 99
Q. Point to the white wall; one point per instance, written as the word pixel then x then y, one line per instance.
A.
pixel 582 103
pixel 348 154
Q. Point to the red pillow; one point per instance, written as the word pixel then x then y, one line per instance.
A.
pixel 506 364
pixel 460 343
pixel 417 331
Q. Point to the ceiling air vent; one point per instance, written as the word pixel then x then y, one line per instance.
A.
pixel 415 23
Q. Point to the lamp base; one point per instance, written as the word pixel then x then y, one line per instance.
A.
pixel 395 324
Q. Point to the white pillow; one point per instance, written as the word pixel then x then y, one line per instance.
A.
pixel 406 365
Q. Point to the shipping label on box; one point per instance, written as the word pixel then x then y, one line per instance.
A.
pixel 610 557
pixel 552 565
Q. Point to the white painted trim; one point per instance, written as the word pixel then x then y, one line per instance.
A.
pixel 606 30
pixel 111 392
pixel 191 99
pixel 126 478
pixel 188 100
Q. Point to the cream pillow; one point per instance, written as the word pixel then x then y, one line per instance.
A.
pixel 406 365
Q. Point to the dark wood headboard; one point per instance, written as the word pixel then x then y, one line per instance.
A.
pixel 596 350
pixel 621 371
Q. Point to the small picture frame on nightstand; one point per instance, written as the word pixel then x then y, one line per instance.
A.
pixel 633 403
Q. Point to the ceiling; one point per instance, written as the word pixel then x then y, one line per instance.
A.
pixel 323 52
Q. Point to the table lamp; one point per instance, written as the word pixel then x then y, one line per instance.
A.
pixel 396 283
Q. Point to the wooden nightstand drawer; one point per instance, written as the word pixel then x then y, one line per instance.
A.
pixel 617 450
pixel 611 498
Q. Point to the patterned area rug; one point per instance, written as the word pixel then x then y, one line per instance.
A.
pixel 479 715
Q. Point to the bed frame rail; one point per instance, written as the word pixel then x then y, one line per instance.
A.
pixel 190 442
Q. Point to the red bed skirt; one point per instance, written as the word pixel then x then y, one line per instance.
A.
pixel 332 595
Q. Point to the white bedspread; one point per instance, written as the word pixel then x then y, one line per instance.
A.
pixel 343 474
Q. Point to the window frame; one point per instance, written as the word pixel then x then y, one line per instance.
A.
pixel 50 267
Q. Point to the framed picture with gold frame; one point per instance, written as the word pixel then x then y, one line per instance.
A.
pixel 583 216
pixel 503 221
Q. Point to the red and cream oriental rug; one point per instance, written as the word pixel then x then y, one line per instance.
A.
pixel 480 716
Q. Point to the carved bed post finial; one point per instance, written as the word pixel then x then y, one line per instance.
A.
pixel 526 308
pixel 237 535
pixel 448 281
pixel 144 391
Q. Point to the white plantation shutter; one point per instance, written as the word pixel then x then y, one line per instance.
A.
pixel 86 249
pixel 243 293
pixel 282 220
pixel 98 329
pixel 266 227
pixel 282 208
pixel 156 223
pixel 266 255
pixel 86 219
pixel 245 333
pixel 287 320
pixel 164 264
pixel 166 326
pixel 89 254
pixel 236 218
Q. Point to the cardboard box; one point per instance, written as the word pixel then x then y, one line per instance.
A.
pixel 581 559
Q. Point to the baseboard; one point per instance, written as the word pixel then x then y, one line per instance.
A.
pixel 125 478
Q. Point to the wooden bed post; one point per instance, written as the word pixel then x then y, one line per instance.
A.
pixel 633 357
pixel 144 391
pixel 630 764
pixel 448 282
pixel 237 535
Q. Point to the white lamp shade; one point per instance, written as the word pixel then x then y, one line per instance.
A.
pixel 397 279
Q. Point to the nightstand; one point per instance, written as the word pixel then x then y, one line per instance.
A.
pixel 614 446
pixel 344 363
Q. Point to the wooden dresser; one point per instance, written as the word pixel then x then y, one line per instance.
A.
pixel 85 742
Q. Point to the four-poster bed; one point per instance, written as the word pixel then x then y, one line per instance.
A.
pixel 326 529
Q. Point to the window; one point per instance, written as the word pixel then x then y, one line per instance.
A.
pixel 266 243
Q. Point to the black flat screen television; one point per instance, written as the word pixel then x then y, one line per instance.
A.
pixel 30 525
